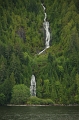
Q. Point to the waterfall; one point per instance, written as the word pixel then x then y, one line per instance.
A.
pixel 47 41
pixel 33 86
pixel 46 27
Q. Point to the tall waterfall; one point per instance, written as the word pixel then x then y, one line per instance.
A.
pixel 46 27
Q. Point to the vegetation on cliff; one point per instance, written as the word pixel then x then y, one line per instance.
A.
pixel 22 38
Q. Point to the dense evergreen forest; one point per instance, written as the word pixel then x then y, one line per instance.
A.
pixel 22 37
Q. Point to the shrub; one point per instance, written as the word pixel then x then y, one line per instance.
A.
pixel 20 94
pixel 34 100
pixel 39 101
pixel 2 99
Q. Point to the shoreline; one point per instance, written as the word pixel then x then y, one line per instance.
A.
pixel 44 105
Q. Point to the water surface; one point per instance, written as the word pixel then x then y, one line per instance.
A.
pixel 39 113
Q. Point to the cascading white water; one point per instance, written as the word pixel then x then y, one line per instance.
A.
pixel 46 27
pixel 33 86
pixel 47 41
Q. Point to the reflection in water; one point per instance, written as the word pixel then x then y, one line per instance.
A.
pixel 39 113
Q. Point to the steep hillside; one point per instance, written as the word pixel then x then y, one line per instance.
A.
pixel 22 37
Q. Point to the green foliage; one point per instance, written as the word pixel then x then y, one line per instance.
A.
pixel 20 94
pixel 38 101
pixel 46 92
pixel 39 89
pixel 2 99
pixel 33 100
pixel 22 38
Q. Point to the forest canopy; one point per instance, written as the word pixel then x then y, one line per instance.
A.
pixel 22 37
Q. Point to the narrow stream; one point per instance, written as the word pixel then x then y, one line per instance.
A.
pixel 46 27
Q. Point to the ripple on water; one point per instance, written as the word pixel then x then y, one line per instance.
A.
pixel 39 113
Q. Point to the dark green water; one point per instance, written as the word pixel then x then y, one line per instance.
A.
pixel 39 113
